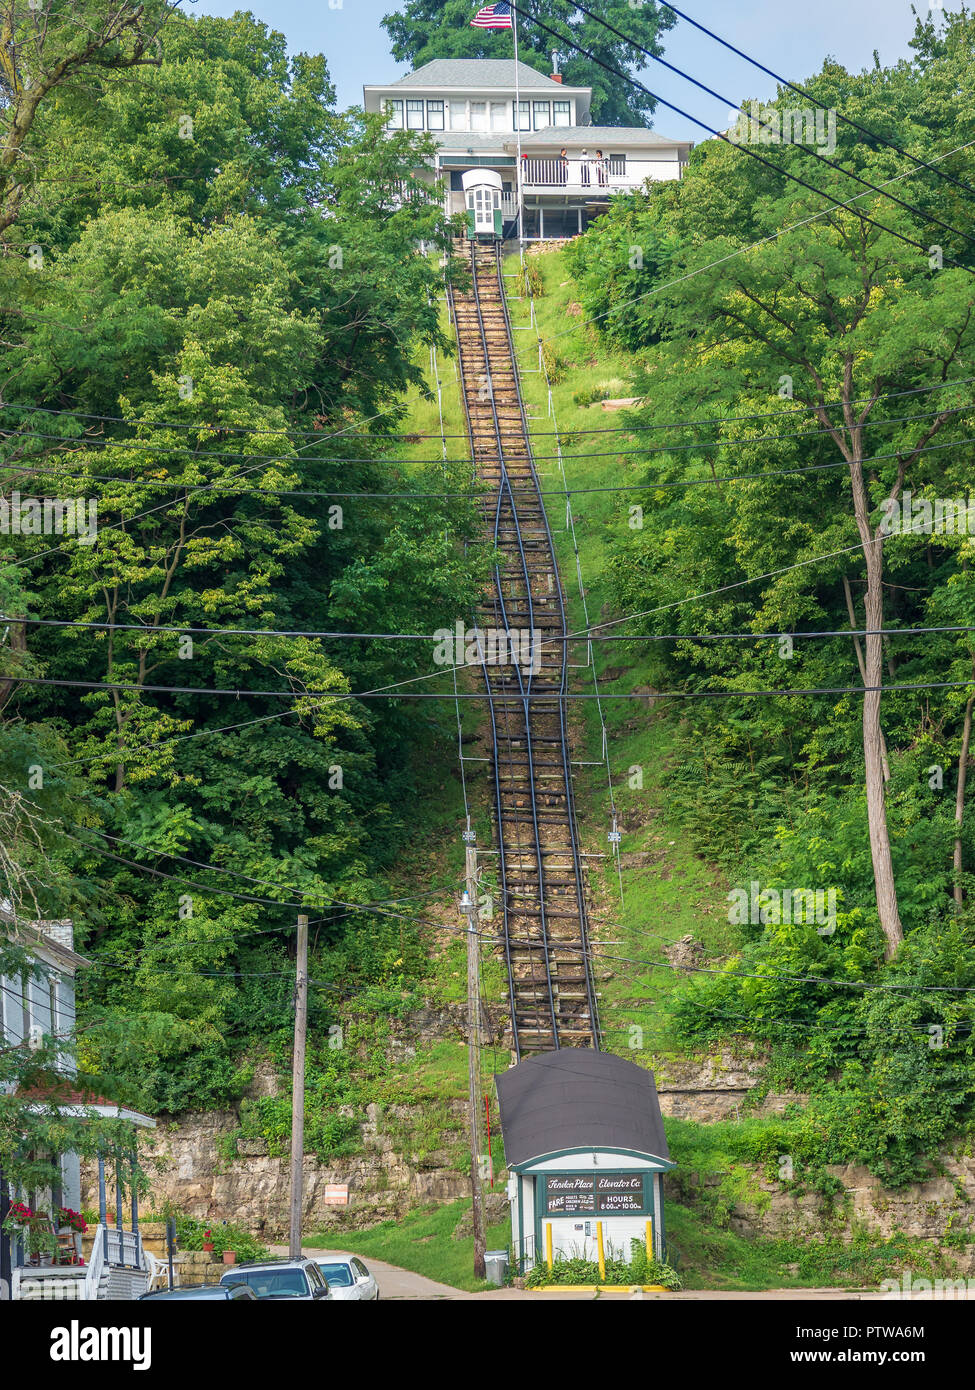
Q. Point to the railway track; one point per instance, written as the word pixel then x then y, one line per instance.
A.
pixel 551 994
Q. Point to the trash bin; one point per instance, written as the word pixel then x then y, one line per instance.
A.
pixel 496 1266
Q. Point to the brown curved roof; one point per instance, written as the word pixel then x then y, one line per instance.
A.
pixel 577 1098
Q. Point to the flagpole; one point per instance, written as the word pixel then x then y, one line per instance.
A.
pixel 518 185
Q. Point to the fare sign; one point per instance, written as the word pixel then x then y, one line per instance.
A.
pixel 594 1192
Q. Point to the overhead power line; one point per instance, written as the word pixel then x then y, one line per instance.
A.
pixel 189 629
pixel 733 255
pixel 744 148
pixel 418 436
pixel 803 148
pixel 802 91
pixel 652 484
pixel 24 464
pixel 515 697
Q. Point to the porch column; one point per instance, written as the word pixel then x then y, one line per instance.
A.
pixel 5 1242
pixel 102 1205
pixel 135 1200
pixel 118 1211
pixel 579 219
pixel 541 223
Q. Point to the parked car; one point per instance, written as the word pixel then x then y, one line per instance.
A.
pixel 222 1293
pixel 348 1278
pixel 280 1279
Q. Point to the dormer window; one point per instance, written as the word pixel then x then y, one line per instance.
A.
pixel 561 113
pixel 394 113
pixel 458 115
pixel 541 114
pixel 434 115
pixel 414 113
pixel 479 117
pixel 523 119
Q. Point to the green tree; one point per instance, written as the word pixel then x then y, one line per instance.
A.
pixel 51 45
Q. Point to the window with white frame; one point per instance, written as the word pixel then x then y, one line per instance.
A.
pixel 394 113
pixel 458 115
pixel 414 113
pixel 434 115
pixel 523 115
pixel 499 115
pixel 561 112
pixel 479 115
pixel 541 114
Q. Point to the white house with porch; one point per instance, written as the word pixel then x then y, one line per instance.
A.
pixel 39 1003
pixel 480 117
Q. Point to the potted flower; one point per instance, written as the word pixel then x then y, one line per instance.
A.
pixel 230 1257
pixel 17 1222
pixel 35 1229
pixel 208 1241
pixel 69 1220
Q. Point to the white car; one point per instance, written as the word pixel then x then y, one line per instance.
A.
pixel 348 1278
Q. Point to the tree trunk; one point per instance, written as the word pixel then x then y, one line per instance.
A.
pixel 883 868
pixel 863 670
pixel 18 649
pixel 966 738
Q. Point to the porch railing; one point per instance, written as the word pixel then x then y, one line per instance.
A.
pixel 610 174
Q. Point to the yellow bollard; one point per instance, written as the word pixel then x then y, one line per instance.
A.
pixel 649 1240
pixel 548 1244
pixel 601 1251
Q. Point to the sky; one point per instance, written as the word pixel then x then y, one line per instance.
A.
pixel 792 40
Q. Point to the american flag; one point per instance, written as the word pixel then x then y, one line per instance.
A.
pixel 493 17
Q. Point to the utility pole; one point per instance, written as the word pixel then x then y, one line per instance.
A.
pixel 469 908
pixel 298 1090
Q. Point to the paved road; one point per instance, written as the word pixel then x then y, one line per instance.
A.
pixel 403 1283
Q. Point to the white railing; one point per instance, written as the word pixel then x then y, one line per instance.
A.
pixel 96 1263
pixel 120 1247
pixel 611 174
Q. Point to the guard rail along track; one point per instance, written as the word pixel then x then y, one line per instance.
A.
pixel 545 934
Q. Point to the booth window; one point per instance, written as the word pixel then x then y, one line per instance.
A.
pixel 561 111
pixel 394 114
pixel 435 115
pixel 414 113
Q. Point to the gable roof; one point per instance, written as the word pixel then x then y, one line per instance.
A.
pixel 597 137
pixel 476 73
pixel 577 1098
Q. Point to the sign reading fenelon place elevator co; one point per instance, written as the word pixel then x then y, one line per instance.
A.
pixel 593 1192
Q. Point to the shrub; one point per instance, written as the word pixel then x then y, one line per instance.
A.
pixel 639 1269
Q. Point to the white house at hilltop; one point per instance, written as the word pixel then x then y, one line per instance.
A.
pixel 569 167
